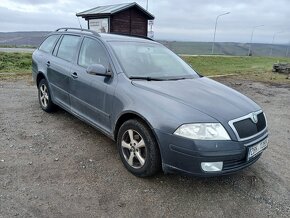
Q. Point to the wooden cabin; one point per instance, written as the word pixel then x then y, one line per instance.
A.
pixel 129 19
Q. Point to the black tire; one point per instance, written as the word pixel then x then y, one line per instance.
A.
pixel 45 102
pixel 152 163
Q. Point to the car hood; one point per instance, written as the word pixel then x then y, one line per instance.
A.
pixel 203 94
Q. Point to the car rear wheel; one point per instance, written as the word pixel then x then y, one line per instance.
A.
pixel 138 149
pixel 44 97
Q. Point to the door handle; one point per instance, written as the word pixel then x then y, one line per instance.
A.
pixel 74 75
pixel 48 63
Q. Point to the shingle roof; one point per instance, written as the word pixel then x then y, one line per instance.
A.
pixel 112 9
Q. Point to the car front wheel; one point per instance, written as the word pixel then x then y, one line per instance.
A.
pixel 138 149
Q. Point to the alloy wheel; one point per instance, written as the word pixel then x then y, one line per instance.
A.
pixel 43 95
pixel 134 149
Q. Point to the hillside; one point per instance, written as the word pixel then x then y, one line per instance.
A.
pixel 33 39
pixel 21 39
pixel 226 48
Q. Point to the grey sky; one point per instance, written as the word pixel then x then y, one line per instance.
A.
pixel 187 20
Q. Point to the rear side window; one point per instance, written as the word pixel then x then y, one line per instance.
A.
pixel 68 47
pixel 92 52
pixel 48 43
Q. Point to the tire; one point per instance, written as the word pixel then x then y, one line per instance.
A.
pixel 44 97
pixel 141 159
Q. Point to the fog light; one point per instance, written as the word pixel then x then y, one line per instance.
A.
pixel 212 166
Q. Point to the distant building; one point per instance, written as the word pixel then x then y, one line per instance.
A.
pixel 129 18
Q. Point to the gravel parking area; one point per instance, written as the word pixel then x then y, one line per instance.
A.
pixel 54 165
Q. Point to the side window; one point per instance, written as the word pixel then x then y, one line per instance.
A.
pixel 92 52
pixel 48 43
pixel 68 47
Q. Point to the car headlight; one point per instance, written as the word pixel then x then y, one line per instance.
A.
pixel 203 131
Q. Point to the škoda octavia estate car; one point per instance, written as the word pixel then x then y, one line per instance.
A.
pixel 162 114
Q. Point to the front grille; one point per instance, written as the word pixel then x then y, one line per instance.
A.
pixel 236 164
pixel 247 128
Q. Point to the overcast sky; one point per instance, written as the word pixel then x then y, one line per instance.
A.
pixel 186 20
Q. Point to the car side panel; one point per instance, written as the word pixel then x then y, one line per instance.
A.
pixel 88 97
pixel 58 73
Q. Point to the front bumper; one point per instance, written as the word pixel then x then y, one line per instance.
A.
pixel 185 155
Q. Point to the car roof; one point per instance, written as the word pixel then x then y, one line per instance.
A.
pixel 104 36
pixel 119 37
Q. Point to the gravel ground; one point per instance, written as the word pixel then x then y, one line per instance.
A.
pixel 54 165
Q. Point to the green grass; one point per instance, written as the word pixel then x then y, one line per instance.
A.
pixel 255 68
pixel 220 65
pixel 249 68
pixel 15 62
pixel 17 46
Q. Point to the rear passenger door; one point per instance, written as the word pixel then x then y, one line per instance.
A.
pixel 88 92
pixel 59 68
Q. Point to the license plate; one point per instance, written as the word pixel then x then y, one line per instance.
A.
pixel 257 149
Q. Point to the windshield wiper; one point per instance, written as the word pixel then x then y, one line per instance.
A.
pixel 178 78
pixel 148 78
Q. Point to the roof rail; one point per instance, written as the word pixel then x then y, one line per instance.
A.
pixel 78 29
pixel 133 35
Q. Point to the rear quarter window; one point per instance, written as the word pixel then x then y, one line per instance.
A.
pixel 48 43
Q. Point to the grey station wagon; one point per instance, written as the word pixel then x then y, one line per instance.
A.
pixel 162 113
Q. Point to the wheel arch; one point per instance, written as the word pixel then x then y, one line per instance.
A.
pixel 39 77
pixel 128 115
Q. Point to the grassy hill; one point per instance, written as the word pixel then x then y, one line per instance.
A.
pixel 226 48
pixel 21 39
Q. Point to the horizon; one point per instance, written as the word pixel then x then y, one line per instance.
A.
pixel 160 39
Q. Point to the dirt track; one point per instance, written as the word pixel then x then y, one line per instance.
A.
pixel 54 165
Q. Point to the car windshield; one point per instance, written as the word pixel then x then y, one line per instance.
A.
pixel 151 61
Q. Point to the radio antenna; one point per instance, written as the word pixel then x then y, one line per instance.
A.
pixel 80 23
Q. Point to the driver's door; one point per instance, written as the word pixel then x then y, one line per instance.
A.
pixel 88 93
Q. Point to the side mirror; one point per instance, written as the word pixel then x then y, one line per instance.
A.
pixel 98 69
